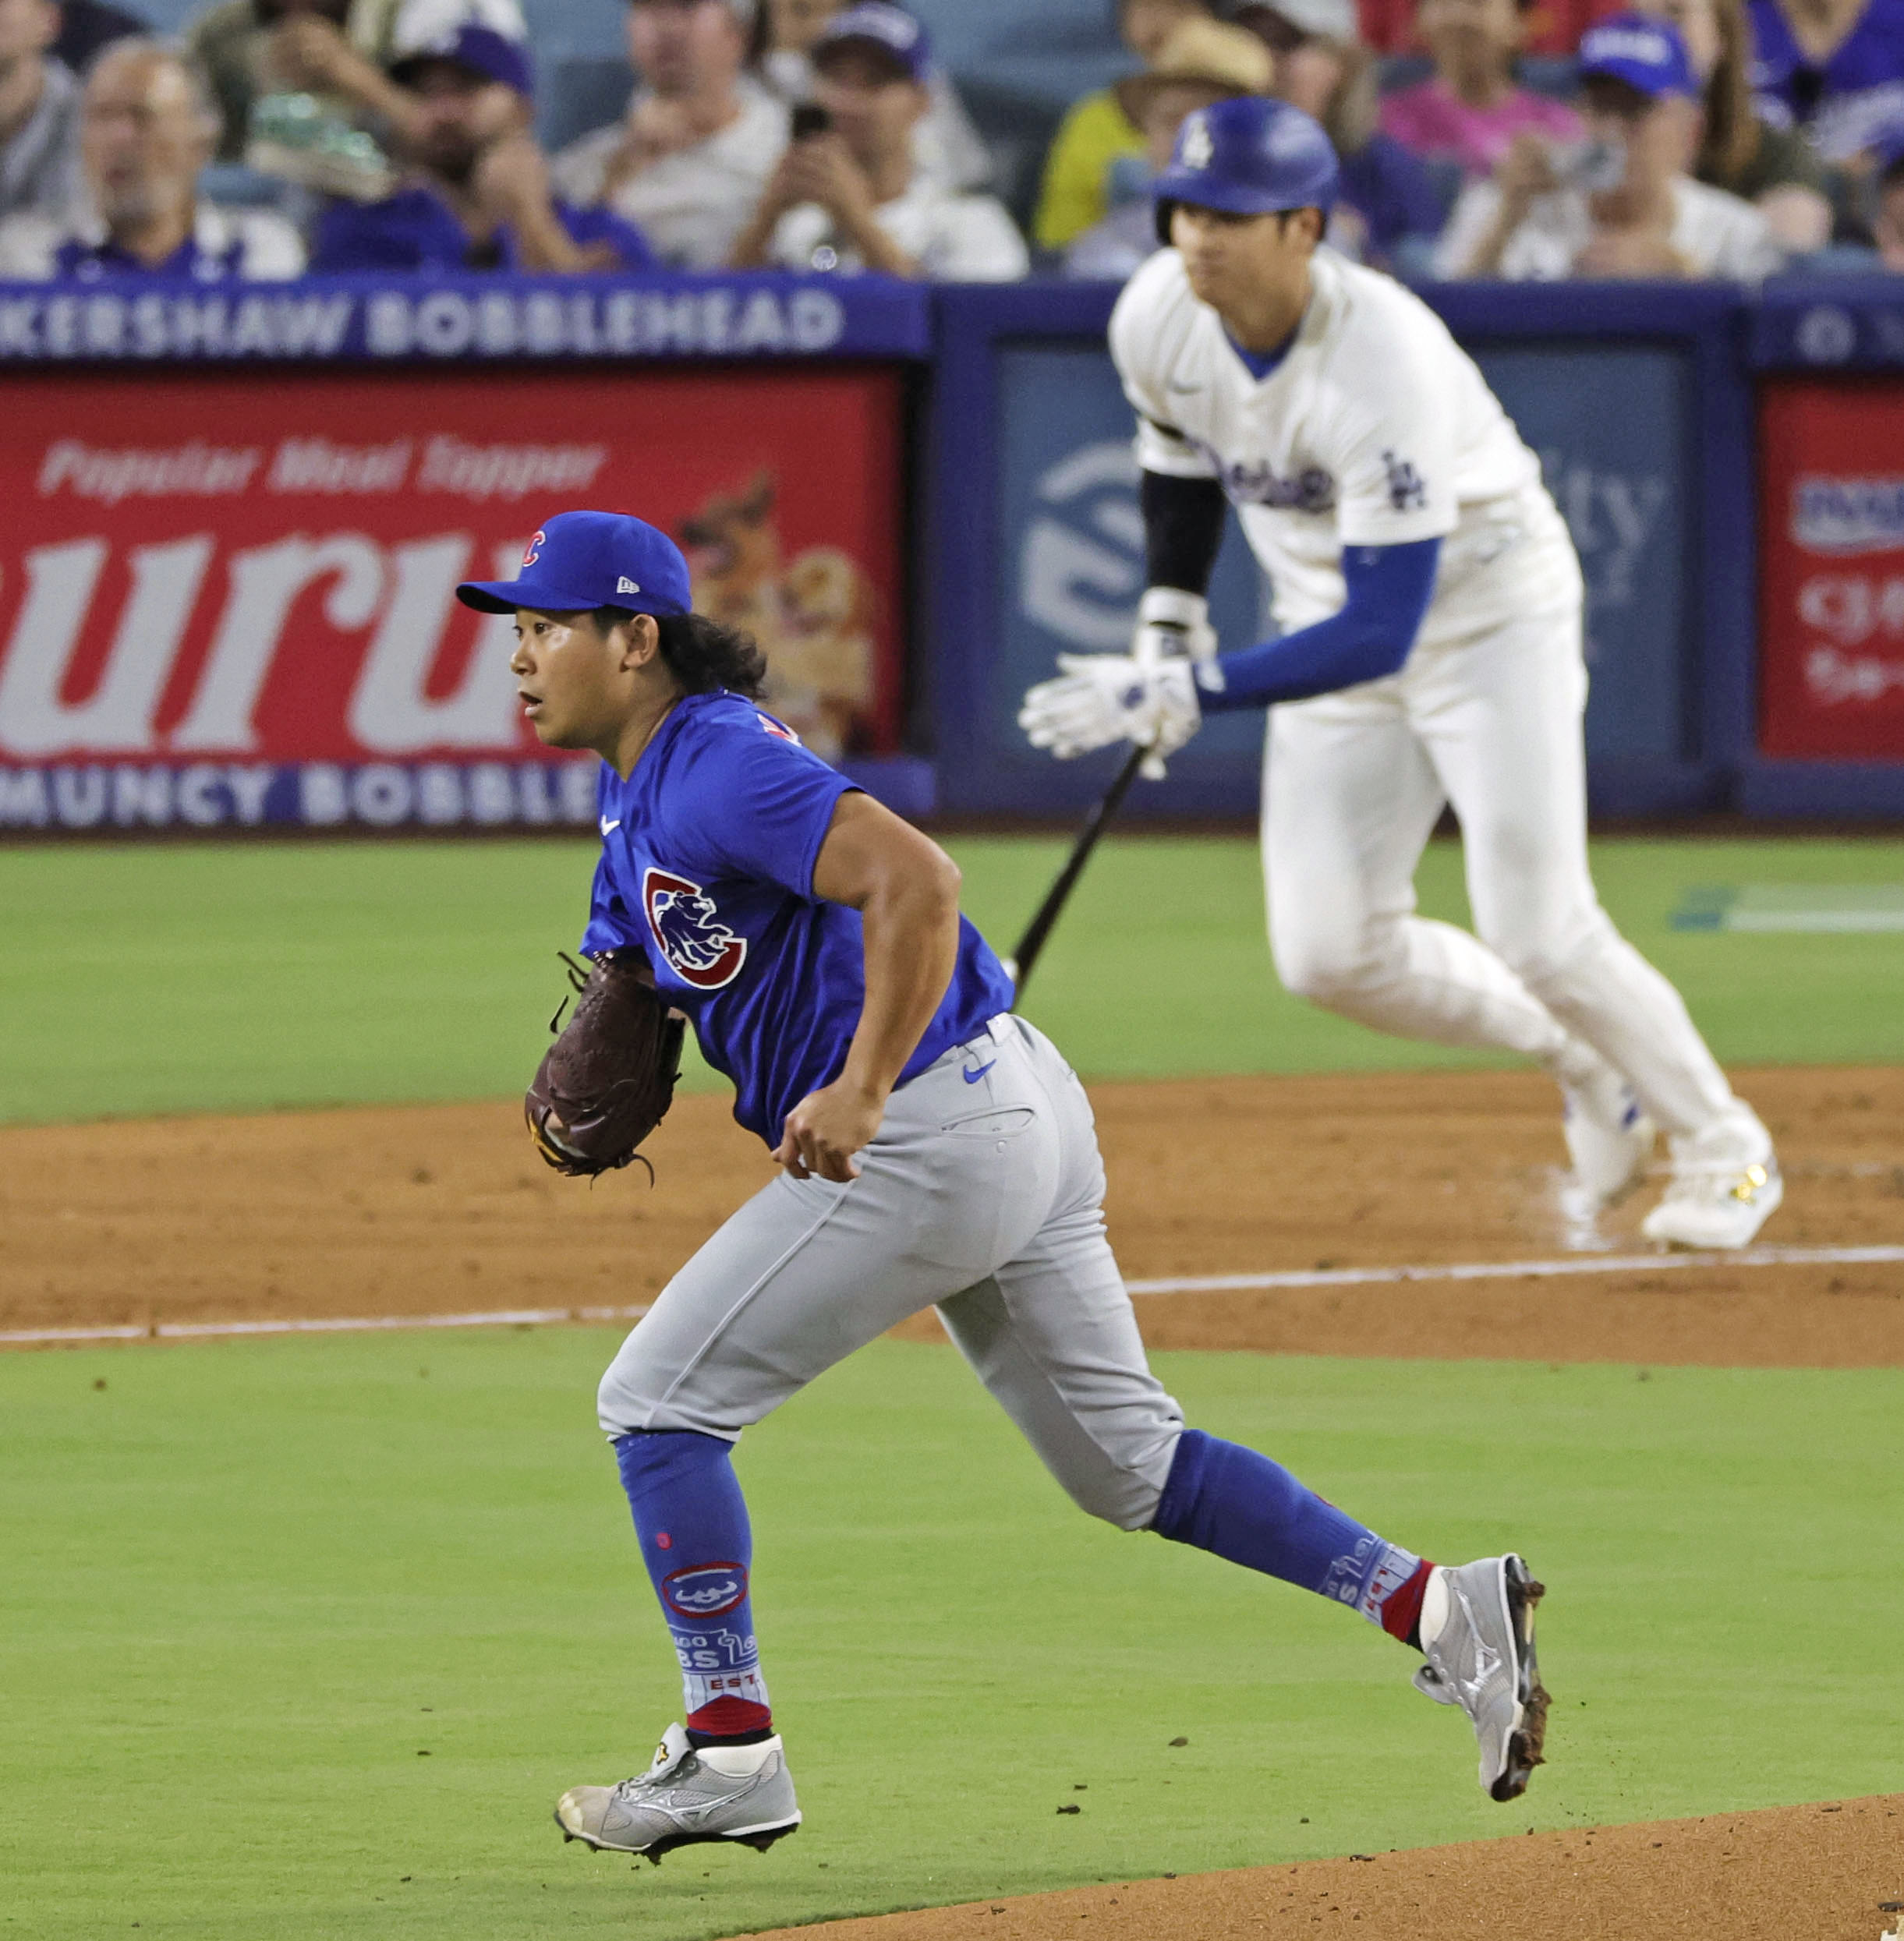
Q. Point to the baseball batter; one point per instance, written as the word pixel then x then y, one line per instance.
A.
pixel 1429 604
pixel 935 1150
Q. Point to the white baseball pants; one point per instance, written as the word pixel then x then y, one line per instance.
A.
pixel 1353 785
pixel 982 1194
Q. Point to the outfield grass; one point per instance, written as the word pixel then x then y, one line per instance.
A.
pixel 246 977
pixel 246 1585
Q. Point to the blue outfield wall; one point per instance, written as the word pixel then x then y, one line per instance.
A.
pixel 1640 400
pixel 1636 400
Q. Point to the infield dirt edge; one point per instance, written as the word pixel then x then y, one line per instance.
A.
pixel 1819 1871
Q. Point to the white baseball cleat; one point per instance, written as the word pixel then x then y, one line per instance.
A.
pixel 739 1792
pixel 1725 1185
pixel 1609 1137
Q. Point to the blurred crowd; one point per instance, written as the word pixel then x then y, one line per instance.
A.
pixel 1671 138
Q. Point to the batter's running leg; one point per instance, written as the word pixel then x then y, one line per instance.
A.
pixel 1350 800
pixel 1502 719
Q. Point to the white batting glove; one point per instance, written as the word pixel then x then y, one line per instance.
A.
pixel 1173 625
pixel 1100 698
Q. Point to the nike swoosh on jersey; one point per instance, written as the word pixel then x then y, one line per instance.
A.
pixel 972 1078
pixel 609 828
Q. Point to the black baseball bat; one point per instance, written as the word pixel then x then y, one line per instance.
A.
pixel 1018 966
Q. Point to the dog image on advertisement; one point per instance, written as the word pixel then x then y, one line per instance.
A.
pixel 812 614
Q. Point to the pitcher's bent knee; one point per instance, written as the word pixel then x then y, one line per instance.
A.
pixel 1126 1496
pixel 637 1393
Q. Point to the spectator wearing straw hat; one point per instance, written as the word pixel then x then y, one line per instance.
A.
pixel 1203 61
pixel 1099 129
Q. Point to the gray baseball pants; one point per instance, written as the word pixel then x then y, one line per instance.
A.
pixel 982 1195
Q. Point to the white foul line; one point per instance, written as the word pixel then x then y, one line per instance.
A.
pixel 1527 1270
pixel 1204 1284
pixel 203 1331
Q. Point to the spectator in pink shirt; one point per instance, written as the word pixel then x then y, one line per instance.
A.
pixel 1471 109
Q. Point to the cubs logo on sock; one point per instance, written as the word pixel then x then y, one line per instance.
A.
pixel 707 1590
pixel 700 949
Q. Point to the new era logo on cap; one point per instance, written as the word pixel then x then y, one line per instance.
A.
pixel 625 584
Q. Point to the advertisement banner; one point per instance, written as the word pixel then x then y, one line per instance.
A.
pixel 463 319
pixel 1832 641
pixel 1609 424
pixel 1071 548
pixel 225 601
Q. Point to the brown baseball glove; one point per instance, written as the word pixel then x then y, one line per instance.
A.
pixel 607 1081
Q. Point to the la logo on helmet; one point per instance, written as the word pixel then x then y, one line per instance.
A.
pixel 535 550
pixel 1198 146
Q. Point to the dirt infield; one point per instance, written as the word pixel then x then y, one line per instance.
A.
pixel 444 1210
pixel 1796 1873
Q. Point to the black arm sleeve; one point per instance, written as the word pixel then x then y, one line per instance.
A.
pixel 1182 527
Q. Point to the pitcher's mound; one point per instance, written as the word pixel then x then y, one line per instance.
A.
pixel 1794 1873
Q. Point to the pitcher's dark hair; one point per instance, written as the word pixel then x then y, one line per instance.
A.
pixel 702 654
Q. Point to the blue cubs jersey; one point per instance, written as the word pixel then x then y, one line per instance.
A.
pixel 707 861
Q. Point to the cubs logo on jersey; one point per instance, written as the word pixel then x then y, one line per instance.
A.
pixel 779 730
pixel 700 949
pixel 707 1590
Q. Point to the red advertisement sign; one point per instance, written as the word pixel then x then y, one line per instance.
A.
pixel 231 598
pixel 1831 666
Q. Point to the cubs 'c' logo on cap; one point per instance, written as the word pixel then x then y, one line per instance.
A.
pixel 706 1591
pixel 700 949
pixel 535 550
pixel 1197 145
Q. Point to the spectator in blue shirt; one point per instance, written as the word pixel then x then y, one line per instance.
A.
pixel 147 128
pixel 1834 68
pixel 477 196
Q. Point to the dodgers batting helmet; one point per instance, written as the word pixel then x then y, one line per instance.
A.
pixel 1249 156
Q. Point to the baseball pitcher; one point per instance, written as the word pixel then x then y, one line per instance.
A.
pixel 935 1150
pixel 1429 604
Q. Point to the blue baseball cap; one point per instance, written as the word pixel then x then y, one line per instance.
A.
pixel 581 560
pixel 1248 156
pixel 1647 54
pixel 484 51
pixel 879 23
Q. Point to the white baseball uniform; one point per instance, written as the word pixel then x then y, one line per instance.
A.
pixel 1376 429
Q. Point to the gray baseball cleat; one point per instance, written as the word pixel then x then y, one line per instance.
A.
pixel 740 1792
pixel 1478 1636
